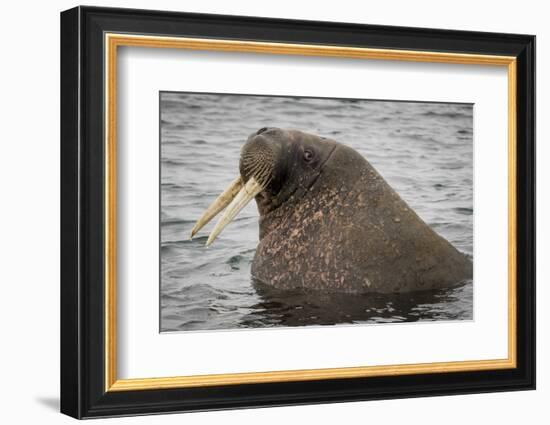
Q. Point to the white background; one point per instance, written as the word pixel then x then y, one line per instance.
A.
pixel 143 72
pixel 29 225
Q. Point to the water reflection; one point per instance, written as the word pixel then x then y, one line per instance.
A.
pixel 299 308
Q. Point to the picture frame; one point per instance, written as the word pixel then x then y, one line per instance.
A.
pixel 91 37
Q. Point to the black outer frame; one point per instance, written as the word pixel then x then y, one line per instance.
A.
pixel 82 218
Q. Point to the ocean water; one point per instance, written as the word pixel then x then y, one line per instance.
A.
pixel 423 150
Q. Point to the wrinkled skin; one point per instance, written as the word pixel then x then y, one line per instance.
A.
pixel 330 222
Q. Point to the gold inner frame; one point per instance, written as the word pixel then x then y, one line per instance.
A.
pixel 113 41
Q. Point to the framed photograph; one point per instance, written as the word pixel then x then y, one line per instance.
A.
pixel 261 212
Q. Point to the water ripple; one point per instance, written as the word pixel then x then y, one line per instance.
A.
pixel 423 150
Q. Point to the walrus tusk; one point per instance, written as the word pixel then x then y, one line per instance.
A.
pixel 245 195
pixel 219 204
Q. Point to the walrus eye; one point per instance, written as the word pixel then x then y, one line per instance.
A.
pixel 308 155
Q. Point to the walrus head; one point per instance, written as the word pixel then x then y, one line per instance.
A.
pixel 275 166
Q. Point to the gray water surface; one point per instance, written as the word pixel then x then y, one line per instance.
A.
pixel 423 150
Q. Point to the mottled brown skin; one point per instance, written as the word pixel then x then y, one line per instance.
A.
pixel 334 224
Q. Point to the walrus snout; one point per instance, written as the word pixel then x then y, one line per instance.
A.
pixel 258 157
pixel 256 166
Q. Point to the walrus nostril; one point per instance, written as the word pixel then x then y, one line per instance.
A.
pixel 261 130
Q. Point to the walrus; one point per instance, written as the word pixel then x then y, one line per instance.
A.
pixel 330 222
